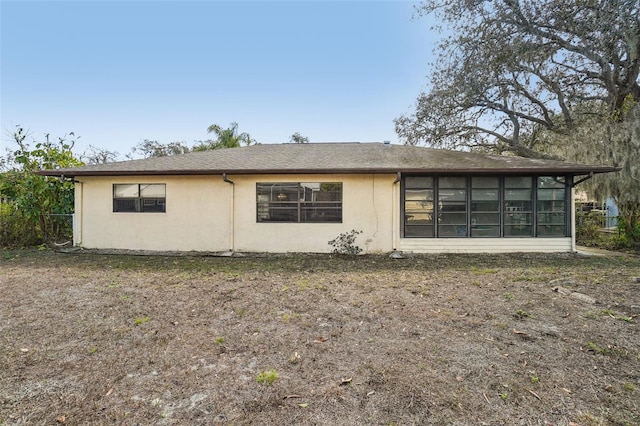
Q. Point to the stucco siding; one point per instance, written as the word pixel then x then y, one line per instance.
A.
pixel 366 206
pixel 196 215
pixel 204 213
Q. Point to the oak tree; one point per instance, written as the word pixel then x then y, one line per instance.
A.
pixel 513 69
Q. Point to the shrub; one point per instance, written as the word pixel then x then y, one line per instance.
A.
pixel 267 377
pixel 588 228
pixel 15 230
pixel 590 232
pixel 345 243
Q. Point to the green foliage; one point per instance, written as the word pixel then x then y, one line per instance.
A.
pixel 15 231
pixel 34 206
pixel 629 228
pixel 345 243
pixel 141 320
pixel 627 106
pixel 590 232
pixel 267 377
pixel 609 350
pixel 594 348
pixel 588 228
pixel 225 138
pixel 298 138
pixel 478 271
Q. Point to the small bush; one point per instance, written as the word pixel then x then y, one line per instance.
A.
pixel 629 232
pixel 588 228
pixel 267 377
pixel 590 232
pixel 18 231
pixel 141 320
pixel 345 243
pixel 15 230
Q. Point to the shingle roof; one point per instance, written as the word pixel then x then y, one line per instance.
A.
pixel 328 158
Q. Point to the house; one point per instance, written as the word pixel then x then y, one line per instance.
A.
pixel 297 197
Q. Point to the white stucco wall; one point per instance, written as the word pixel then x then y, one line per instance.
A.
pixel 196 218
pixel 366 206
pixel 199 215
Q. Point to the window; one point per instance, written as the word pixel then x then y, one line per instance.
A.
pixel 295 202
pixel 139 198
pixel 518 207
pixel 485 206
pixel 552 207
pixel 418 206
pixel 452 207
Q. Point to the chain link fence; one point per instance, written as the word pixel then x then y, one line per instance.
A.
pixel 17 231
pixel 60 230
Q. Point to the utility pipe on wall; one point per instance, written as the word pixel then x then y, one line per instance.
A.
pixel 77 216
pixel 394 219
pixel 231 212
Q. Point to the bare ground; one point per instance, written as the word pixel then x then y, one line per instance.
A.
pixel 446 340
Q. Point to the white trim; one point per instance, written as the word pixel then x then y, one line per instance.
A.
pixel 485 245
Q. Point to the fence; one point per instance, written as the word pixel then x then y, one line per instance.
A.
pixel 17 231
pixel 605 222
pixel 60 232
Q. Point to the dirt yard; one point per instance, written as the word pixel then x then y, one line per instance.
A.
pixel 319 340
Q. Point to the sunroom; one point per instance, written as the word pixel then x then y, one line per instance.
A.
pixel 485 206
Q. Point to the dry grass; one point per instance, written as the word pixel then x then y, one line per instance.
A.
pixel 449 340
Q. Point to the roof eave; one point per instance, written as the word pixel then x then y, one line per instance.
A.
pixel 439 171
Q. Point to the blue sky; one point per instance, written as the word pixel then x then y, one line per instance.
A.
pixel 118 72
